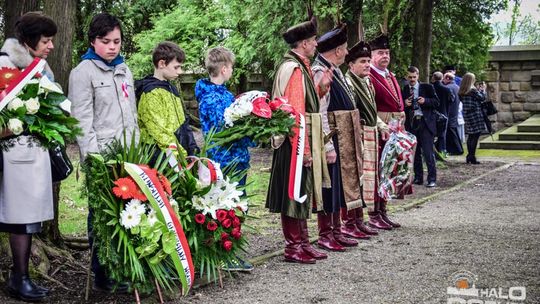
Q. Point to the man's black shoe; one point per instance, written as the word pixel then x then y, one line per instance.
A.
pixel 417 182
pixel 111 286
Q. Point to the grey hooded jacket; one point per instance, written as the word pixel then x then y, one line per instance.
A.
pixel 103 100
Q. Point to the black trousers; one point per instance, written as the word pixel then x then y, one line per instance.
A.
pixel 472 142
pixel 424 148
pixel 441 139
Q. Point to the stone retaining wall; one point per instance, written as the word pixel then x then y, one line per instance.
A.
pixel 513 80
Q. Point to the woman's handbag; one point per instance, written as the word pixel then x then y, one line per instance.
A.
pixel 61 166
pixel 489 108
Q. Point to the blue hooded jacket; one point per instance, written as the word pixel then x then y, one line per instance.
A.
pixel 213 100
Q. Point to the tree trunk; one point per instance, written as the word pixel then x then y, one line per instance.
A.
pixel 13 9
pixel 63 13
pixel 60 61
pixel 356 7
pixel 423 37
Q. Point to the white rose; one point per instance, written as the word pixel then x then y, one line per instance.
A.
pixel 15 126
pixel 32 106
pixel 15 104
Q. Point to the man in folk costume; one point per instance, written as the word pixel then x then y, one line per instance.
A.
pixel 299 161
pixel 359 59
pixel 389 106
pixel 341 123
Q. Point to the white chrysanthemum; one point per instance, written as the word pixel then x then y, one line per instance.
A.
pixel 15 125
pixel 152 217
pixel 136 206
pixel 32 106
pixel 15 103
pixel 129 218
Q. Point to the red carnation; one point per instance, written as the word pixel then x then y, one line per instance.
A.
pixel 232 213
pixel 125 188
pixel 166 184
pixel 221 215
pixel 227 245
pixel 212 226
pixel 200 218
pixel 226 223
pixel 236 222
pixel 236 233
pixel 224 236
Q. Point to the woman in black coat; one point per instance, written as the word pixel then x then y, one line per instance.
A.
pixel 472 114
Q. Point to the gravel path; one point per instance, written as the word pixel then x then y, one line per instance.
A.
pixel 491 229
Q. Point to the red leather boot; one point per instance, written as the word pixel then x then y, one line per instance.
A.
pixel 376 221
pixel 385 218
pixel 306 245
pixel 326 237
pixel 360 223
pixel 336 230
pixel 349 228
pixel 293 241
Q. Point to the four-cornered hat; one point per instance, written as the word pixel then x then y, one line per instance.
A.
pixel 361 49
pixel 380 42
pixel 301 31
pixel 332 39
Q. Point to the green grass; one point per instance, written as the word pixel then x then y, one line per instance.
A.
pixel 520 154
pixel 73 209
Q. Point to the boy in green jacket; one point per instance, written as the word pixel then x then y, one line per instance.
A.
pixel 161 116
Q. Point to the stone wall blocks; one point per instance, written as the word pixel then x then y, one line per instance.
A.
pixel 507 97
pixel 505 117
pixel 521 116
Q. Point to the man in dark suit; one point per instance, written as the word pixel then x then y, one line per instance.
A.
pixel 420 100
pixel 445 98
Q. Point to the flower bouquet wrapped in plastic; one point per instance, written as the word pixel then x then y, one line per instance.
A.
pixel 255 116
pixel 396 161
pixel 31 103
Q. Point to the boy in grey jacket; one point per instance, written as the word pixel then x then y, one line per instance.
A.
pixel 103 100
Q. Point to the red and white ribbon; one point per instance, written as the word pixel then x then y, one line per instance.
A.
pixel 125 91
pixel 19 82
pixel 297 159
pixel 152 188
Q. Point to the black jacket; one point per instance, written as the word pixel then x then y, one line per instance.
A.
pixel 427 91
pixel 445 97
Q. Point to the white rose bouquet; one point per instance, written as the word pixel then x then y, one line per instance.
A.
pixel 37 110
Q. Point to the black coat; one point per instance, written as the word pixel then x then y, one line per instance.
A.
pixel 427 91
pixel 453 107
pixel 445 97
